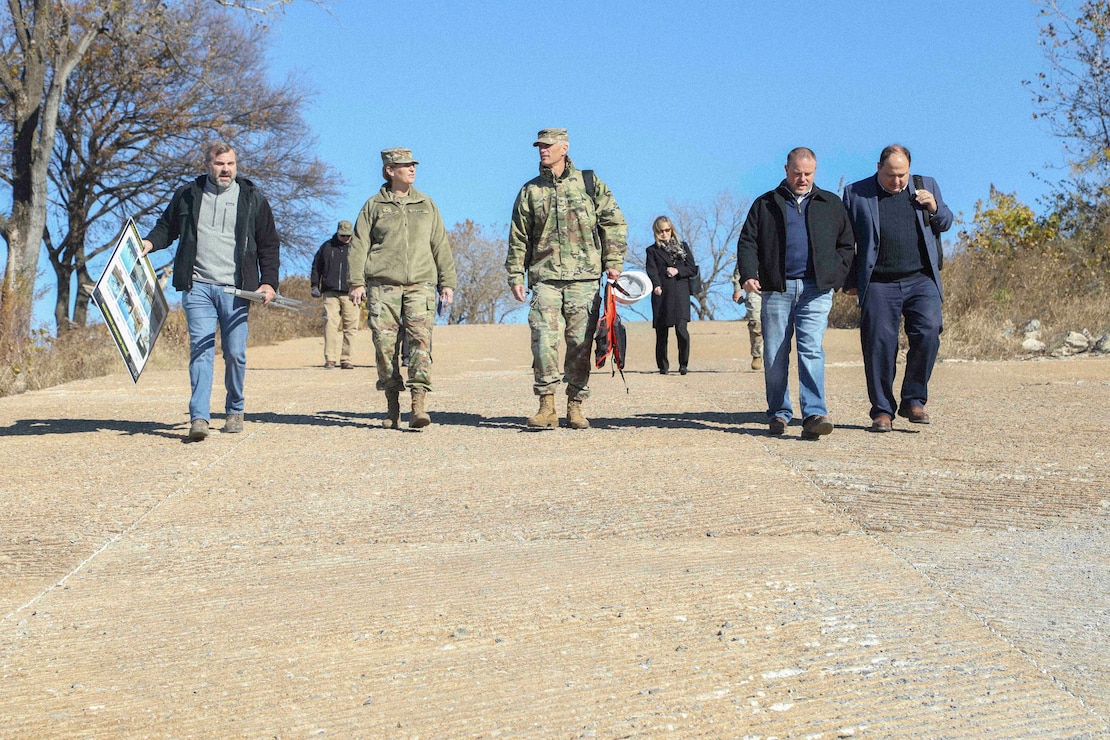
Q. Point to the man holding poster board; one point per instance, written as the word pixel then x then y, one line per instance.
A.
pixel 226 238
pixel 131 300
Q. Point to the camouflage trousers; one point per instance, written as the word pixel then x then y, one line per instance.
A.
pixel 394 306
pixel 754 303
pixel 562 306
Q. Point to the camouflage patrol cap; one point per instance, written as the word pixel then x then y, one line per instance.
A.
pixel 551 135
pixel 397 155
pixel 345 228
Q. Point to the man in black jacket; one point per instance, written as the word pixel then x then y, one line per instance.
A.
pixel 330 278
pixel 795 249
pixel 226 239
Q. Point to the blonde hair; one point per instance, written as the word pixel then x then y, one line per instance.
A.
pixel 664 220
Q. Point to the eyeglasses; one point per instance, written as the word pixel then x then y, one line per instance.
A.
pixel 663 231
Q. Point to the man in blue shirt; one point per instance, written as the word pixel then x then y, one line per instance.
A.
pixel 795 249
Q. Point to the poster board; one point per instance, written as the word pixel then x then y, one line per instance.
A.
pixel 131 300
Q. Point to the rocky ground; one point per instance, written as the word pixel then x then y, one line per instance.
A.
pixel 671 572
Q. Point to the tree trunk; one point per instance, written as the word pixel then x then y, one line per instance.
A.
pixel 33 84
pixel 85 285
pixel 64 275
pixel 23 227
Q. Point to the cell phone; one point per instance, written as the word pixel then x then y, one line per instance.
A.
pixel 919 184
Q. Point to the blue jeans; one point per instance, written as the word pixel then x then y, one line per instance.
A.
pixel 206 306
pixel 803 309
pixel 917 299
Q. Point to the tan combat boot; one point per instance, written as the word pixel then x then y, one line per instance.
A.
pixel 755 334
pixel 392 418
pixel 545 418
pixel 575 419
pixel 419 418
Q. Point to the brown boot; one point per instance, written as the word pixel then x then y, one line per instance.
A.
pixel 755 334
pixel 575 419
pixel 392 418
pixel 545 418
pixel 418 419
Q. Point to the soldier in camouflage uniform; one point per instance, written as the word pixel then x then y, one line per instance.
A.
pixel 399 254
pixel 560 241
pixel 753 302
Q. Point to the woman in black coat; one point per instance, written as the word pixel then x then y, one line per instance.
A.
pixel 670 265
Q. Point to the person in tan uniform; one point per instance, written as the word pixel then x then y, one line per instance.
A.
pixel 399 254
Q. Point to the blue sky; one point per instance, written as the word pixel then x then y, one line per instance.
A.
pixel 665 102
pixel 668 103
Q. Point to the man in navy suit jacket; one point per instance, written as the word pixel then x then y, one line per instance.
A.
pixel 898 220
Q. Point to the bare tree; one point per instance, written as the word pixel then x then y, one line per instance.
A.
pixel 711 229
pixel 1073 95
pixel 481 296
pixel 135 117
pixel 263 6
pixel 42 43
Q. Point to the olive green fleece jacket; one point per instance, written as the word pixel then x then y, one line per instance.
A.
pixel 552 232
pixel 401 241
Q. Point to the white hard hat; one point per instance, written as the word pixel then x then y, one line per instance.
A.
pixel 631 286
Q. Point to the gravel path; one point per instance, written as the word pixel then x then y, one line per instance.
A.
pixel 671 572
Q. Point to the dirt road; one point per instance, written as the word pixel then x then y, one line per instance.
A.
pixel 671 572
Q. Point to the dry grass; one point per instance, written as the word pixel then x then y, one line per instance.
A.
pixel 269 325
pixel 43 361
pixel 986 305
pixel 844 313
pixel 989 300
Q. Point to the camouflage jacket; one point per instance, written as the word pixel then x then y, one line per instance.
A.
pixel 401 241
pixel 552 232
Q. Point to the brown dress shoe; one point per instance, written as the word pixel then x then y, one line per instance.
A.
pixel 329 365
pixel 916 414
pixel 817 425
pixel 346 365
pixel 776 426
pixel 881 423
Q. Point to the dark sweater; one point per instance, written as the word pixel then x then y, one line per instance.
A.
pixel 901 244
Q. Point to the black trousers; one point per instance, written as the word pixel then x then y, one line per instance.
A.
pixel 683 336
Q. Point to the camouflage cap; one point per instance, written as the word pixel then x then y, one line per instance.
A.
pixel 345 228
pixel 397 155
pixel 551 135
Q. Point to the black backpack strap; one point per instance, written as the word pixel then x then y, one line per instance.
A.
pixel 591 190
pixel 588 179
